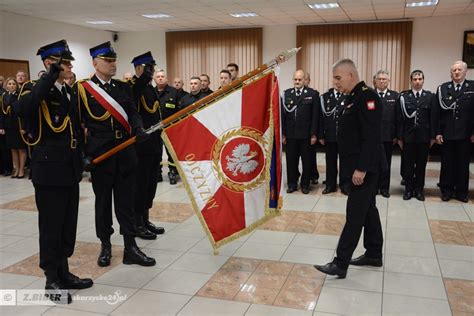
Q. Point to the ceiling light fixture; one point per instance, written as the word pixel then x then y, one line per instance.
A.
pixel 100 22
pixel 156 16
pixel 244 15
pixel 321 6
pixel 421 4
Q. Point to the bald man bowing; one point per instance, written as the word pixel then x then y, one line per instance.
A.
pixel 361 154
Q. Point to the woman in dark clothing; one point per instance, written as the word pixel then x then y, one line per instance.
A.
pixel 9 125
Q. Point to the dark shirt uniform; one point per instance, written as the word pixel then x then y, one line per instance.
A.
pixel 149 152
pixel 169 105
pixel 360 147
pixel 415 129
pixel 116 174
pixel 332 103
pixel 206 92
pixel 56 167
pixel 389 119
pixel 180 94
pixel 190 98
pixel 300 115
pixel 454 117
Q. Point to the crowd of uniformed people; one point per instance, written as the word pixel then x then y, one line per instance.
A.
pixel 65 124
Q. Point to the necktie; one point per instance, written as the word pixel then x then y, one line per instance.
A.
pixel 458 87
pixel 64 94
pixel 381 94
pixel 298 92
pixel 417 95
pixel 338 95
pixel 107 86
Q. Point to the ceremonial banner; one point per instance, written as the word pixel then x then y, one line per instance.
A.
pixel 228 154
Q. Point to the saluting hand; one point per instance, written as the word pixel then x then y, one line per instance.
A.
pixel 439 139
pixel 358 177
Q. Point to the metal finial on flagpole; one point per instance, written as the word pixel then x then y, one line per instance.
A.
pixel 283 56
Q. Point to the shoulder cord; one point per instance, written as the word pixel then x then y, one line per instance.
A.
pixel 83 96
pixel 442 104
pixel 285 106
pixel 326 113
pixel 152 110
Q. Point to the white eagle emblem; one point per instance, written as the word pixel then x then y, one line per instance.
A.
pixel 241 160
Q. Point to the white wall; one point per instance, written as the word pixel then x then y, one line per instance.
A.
pixel 132 44
pixel 34 33
pixel 436 43
pixel 275 40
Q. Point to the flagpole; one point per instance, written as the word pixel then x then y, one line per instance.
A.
pixel 282 57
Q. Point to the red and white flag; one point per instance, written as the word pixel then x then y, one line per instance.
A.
pixel 223 152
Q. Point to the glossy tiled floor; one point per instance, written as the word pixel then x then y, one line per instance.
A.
pixel 428 259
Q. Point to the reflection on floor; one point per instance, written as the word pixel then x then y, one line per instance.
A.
pixel 428 258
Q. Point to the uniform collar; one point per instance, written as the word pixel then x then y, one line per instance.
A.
pixel 414 91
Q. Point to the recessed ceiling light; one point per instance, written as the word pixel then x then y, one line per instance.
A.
pixel 156 16
pixel 244 15
pixel 421 4
pixel 319 6
pixel 99 22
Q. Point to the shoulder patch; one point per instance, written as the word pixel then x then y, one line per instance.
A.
pixel 365 88
pixel 371 105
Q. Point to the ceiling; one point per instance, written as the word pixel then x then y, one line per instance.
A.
pixel 126 15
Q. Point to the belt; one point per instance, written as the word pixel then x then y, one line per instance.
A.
pixel 116 134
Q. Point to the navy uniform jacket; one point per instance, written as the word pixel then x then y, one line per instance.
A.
pixel 359 136
pixel 454 111
pixel 415 117
pixel 389 117
pixel 169 101
pixel 104 134
pixel 148 107
pixel 300 115
pixel 330 111
pixel 56 158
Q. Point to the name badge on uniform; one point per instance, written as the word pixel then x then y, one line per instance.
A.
pixel 371 105
pixel 170 105
pixel 308 98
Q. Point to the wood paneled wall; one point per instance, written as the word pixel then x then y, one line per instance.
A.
pixel 372 46
pixel 191 53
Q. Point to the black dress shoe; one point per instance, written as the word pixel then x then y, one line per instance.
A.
pixel 143 233
pixel 305 190
pixel 314 181
pixel 328 190
pixel 55 291
pixel 366 261
pixel 73 282
pixel 462 199
pixel 445 197
pixel 134 255
pixel 385 193
pixel 154 229
pixel 419 196
pixel 332 269
pixel 7 173
pixel 291 190
pixel 105 255
pixel 408 195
